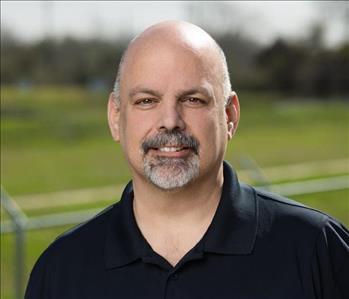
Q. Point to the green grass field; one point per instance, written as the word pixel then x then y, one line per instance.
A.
pixel 55 139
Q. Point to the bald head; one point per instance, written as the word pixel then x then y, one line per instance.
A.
pixel 180 37
pixel 176 33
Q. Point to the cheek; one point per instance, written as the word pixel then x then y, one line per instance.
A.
pixel 134 130
pixel 208 128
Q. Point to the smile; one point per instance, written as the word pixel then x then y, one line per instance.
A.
pixel 168 149
pixel 171 151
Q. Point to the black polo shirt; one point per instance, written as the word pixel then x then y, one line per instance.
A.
pixel 258 246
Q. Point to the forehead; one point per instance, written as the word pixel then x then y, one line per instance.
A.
pixel 160 64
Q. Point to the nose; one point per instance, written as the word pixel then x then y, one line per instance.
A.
pixel 170 117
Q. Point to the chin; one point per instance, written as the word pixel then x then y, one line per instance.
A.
pixel 171 174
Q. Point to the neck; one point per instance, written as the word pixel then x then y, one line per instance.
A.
pixel 174 221
pixel 194 201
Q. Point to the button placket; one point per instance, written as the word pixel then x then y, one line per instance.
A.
pixel 174 276
pixel 172 285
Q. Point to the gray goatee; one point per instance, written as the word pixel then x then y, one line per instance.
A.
pixel 171 173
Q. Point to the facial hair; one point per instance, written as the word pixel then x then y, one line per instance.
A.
pixel 169 173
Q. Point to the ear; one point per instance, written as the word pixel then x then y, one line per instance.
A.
pixel 232 112
pixel 114 116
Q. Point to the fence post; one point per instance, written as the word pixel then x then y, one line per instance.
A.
pixel 19 220
pixel 254 171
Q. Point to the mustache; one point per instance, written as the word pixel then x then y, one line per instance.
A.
pixel 172 138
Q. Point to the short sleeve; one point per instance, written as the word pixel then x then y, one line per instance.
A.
pixel 330 264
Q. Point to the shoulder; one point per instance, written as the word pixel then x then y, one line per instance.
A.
pixel 282 208
pixel 85 238
pixel 312 239
pixel 86 228
pixel 285 217
pixel 67 255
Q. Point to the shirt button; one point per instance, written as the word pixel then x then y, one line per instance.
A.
pixel 174 276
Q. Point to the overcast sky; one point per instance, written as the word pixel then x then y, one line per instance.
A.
pixel 263 20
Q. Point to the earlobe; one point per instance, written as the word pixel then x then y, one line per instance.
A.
pixel 113 117
pixel 231 130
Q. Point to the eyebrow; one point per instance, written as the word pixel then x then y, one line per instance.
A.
pixel 140 89
pixel 195 90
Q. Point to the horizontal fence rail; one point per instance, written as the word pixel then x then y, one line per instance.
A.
pixel 51 220
pixel 310 186
pixel 286 189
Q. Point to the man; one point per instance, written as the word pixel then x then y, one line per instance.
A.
pixel 185 227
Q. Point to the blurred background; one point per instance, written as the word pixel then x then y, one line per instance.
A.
pixel 289 64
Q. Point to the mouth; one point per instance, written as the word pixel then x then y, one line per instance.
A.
pixel 171 144
pixel 171 151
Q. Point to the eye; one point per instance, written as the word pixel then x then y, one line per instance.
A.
pixel 146 102
pixel 194 101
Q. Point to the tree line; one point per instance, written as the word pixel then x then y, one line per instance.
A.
pixel 304 68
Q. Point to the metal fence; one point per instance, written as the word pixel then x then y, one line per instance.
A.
pixel 19 223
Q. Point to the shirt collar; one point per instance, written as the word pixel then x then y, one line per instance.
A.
pixel 124 241
pixel 232 231
pixel 234 226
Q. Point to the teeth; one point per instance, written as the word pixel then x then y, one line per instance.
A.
pixel 169 149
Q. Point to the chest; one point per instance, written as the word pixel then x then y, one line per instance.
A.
pixel 174 244
pixel 173 247
pixel 206 277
